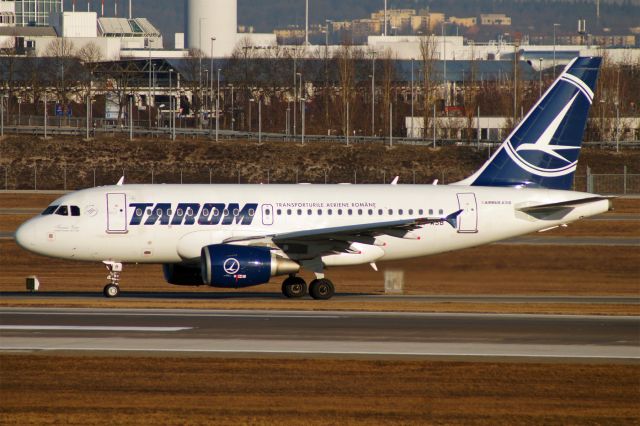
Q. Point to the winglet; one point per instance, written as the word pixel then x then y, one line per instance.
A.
pixel 120 182
pixel 452 219
pixel 395 180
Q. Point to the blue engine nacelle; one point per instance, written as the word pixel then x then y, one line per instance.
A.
pixel 231 266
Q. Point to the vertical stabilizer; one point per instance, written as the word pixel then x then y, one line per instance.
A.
pixel 543 150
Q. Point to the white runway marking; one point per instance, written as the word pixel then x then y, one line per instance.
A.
pixel 89 328
pixel 335 348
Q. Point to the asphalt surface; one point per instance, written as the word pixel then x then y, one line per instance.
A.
pixel 468 336
pixel 345 297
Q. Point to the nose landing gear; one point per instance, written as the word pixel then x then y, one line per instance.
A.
pixel 113 288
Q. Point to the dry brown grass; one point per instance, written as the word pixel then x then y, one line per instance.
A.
pixel 90 390
pixel 25 200
pixel 494 269
pixel 337 304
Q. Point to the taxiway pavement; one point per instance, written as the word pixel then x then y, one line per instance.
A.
pixel 468 336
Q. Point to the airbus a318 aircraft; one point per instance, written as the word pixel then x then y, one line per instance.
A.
pixel 234 236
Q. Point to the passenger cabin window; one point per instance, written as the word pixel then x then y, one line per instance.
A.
pixel 75 211
pixel 63 211
pixel 49 210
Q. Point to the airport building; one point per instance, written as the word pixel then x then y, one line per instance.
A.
pixel 31 13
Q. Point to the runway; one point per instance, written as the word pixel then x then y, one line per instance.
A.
pixel 336 334
pixel 265 296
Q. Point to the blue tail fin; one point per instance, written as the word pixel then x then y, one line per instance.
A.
pixel 543 150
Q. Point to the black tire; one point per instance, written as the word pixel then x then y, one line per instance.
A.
pixel 111 290
pixel 322 289
pixel 294 287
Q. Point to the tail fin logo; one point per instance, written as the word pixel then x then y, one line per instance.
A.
pixel 543 143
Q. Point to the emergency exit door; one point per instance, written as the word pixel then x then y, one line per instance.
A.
pixel 468 219
pixel 116 213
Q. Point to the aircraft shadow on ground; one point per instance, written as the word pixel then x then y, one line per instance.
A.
pixel 148 295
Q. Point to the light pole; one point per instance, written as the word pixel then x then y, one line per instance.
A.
pixel 233 115
pixel 444 74
pixel 2 115
pixel 130 116
pixel 554 50
pixel 540 82
pixel 153 90
pixel 390 124
pixel 260 120
pixel 288 111
pixel 250 109
pixel 172 122
pixel 299 75
pixel 45 114
pixel 306 23
pixel 304 109
pixel 211 88
pixel 148 94
pixel 218 107
pixel 326 73
pixel 617 127
pixel 88 106
pixel 373 93
pixel 295 95
pixel 412 134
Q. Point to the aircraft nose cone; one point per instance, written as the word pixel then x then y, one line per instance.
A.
pixel 25 236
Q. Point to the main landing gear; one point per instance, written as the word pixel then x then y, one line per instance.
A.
pixel 113 288
pixel 296 287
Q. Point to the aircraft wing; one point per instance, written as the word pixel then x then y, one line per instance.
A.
pixel 317 242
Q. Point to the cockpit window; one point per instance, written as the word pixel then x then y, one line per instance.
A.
pixel 63 211
pixel 49 210
pixel 75 211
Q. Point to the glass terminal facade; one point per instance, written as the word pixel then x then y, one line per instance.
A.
pixel 35 13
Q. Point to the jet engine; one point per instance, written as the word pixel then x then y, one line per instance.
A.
pixel 226 265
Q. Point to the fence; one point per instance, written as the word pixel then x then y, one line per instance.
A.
pixel 71 177
pixel 65 126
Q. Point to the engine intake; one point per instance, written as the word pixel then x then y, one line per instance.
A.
pixel 226 265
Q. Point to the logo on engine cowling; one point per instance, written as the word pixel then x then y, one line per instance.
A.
pixel 231 266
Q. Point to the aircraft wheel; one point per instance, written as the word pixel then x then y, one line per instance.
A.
pixel 321 289
pixel 111 290
pixel 294 287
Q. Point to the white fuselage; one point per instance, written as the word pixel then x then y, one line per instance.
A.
pixel 121 224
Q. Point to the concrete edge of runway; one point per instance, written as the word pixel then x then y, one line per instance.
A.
pixel 311 356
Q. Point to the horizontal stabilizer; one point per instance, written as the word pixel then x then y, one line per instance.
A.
pixel 561 205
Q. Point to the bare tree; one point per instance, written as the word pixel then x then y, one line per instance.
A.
pixel 63 53
pixel 388 77
pixel 427 56
pixel 346 65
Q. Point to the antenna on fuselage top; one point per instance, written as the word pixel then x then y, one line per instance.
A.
pixel 120 182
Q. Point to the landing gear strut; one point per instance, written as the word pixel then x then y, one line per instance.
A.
pixel 113 288
pixel 321 289
pixel 294 287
